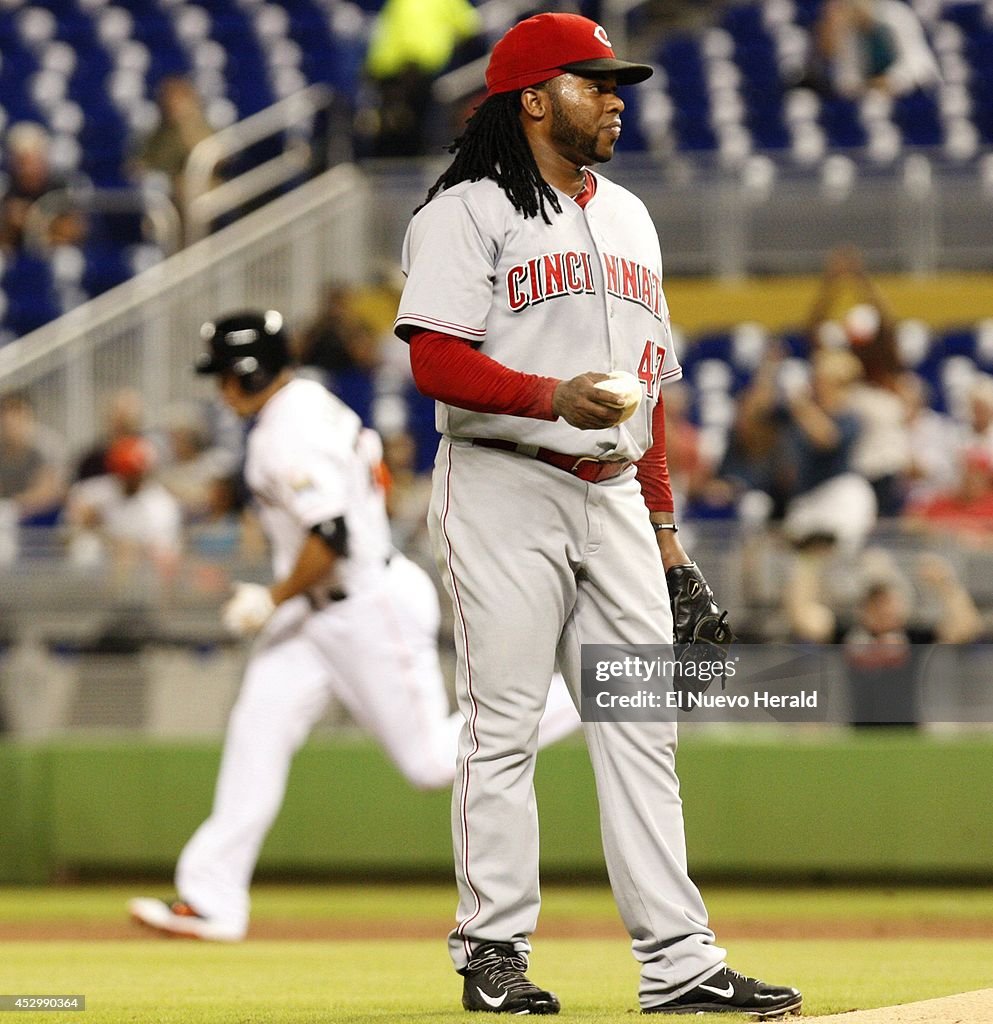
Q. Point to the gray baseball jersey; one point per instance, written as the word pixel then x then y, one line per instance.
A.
pixel 586 296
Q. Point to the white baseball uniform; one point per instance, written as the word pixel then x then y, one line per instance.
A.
pixel 539 562
pixel 367 637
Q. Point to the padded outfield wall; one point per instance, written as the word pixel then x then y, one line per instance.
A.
pixel 812 806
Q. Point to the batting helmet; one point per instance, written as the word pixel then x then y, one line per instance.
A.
pixel 252 346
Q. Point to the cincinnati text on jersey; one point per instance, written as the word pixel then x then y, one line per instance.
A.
pixel 555 274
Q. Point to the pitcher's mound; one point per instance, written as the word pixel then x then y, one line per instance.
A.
pixel 965 1008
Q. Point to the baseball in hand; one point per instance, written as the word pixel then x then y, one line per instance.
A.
pixel 625 388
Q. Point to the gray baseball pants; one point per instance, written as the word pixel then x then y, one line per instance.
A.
pixel 537 563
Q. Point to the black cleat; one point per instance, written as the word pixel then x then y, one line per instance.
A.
pixel 728 991
pixel 495 983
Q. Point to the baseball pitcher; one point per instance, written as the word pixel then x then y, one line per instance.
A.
pixel 533 300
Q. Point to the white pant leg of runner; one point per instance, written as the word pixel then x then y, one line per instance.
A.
pixel 560 717
pixel 383 644
pixel 284 692
pixel 623 598
pixel 377 653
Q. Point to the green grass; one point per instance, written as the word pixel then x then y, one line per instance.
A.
pixel 358 982
pixel 158 981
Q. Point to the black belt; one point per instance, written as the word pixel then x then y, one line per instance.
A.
pixel 326 598
pixel 593 471
pixel 335 593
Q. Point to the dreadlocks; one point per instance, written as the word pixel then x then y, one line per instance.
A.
pixel 494 145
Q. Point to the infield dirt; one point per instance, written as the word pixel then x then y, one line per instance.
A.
pixel 965 1008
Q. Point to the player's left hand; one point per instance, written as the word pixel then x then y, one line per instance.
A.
pixel 696 616
pixel 700 630
pixel 249 610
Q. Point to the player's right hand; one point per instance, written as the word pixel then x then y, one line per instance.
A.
pixel 249 610
pixel 584 406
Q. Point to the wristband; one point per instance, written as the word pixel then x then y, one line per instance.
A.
pixel 665 526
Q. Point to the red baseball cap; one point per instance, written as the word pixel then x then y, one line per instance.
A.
pixel 548 45
pixel 130 457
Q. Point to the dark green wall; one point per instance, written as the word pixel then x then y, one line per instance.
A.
pixel 838 805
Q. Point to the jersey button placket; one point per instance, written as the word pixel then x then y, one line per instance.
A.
pixel 596 240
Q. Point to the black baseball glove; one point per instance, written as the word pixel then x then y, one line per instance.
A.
pixel 700 630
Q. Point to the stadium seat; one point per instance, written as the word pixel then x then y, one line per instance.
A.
pixel 633 136
pixel 106 266
pixel 917 117
pixel 32 299
pixel 722 92
pixel 680 57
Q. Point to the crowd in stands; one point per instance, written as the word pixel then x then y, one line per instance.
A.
pixel 863 46
pixel 754 58
pixel 822 444
pixel 820 447
pixel 849 426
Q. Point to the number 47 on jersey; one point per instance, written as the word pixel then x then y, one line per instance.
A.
pixel 650 367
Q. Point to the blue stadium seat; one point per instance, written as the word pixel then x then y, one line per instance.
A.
pixel 154 28
pixel 918 119
pixel 332 59
pixel 420 425
pixel 104 139
pixel 795 345
pixel 930 369
pixel 968 16
pixel 30 288
pixel 246 71
pixel 632 137
pixel 839 118
pixel 807 11
pixel 744 21
pixel 16 68
pixel 680 56
pixel 958 343
pixel 762 89
pixel 705 346
pixel 106 267
pixel 356 388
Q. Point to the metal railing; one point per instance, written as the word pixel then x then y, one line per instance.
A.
pixel 144 333
pixel 160 213
pixel 771 217
pixel 83 647
pixel 295 116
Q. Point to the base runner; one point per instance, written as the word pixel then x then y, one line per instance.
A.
pixel 348 617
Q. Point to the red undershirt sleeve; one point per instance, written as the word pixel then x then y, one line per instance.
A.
pixel 652 469
pixel 450 370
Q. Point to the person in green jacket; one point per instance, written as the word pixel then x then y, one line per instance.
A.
pixel 412 42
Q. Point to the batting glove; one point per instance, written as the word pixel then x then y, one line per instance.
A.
pixel 249 610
